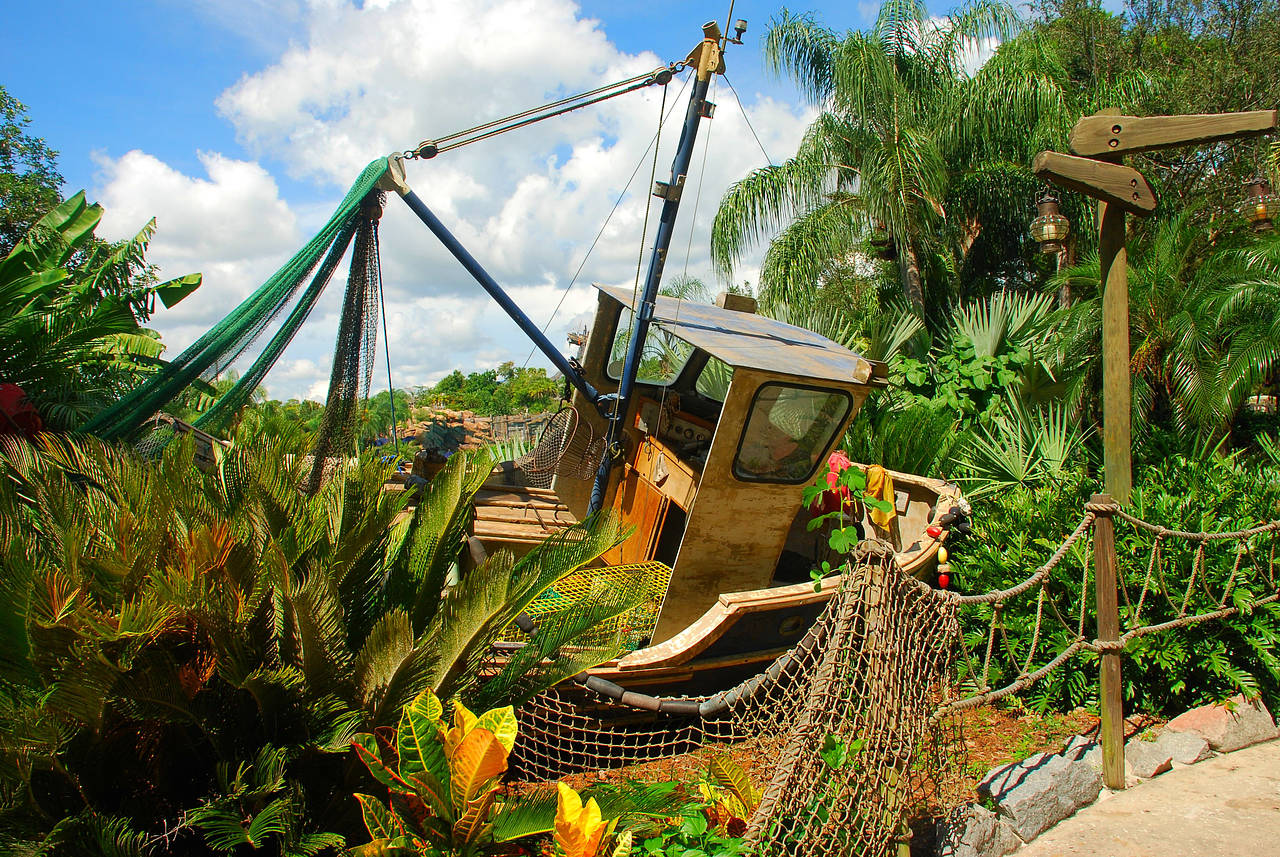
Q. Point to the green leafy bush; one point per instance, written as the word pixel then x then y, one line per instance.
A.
pixel 1016 531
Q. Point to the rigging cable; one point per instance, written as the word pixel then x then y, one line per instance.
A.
pixel 430 148
pixel 748 120
pixel 640 163
pixel 648 207
pixel 702 172
pixel 693 223
pixel 386 344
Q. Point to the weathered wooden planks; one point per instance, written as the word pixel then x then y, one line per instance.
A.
pixel 1113 183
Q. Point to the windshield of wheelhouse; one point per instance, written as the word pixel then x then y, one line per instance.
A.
pixel 788 429
pixel 661 361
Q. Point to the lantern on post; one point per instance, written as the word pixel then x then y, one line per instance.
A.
pixel 1050 228
pixel 1260 205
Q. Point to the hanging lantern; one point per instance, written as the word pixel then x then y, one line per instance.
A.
pixel 881 243
pixel 1050 228
pixel 1260 204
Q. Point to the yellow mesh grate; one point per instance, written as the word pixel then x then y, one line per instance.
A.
pixel 636 624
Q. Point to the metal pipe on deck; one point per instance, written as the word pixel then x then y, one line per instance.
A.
pixel 490 285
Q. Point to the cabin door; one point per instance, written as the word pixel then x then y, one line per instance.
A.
pixel 640 504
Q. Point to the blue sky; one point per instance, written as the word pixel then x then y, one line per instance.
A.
pixel 114 76
pixel 239 123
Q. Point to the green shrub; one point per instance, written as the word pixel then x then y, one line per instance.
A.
pixel 1017 531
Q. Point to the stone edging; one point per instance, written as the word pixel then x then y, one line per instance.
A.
pixel 1033 795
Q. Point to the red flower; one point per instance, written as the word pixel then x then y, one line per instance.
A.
pixel 836 496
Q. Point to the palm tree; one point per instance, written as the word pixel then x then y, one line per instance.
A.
pixel 1201 324
pixel 901 117
pixel 875 155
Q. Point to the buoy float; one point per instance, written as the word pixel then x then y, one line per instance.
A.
pixel 942 556
pixel 944 575
pixel 933 530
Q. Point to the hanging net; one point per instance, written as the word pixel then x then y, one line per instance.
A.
pixel 846 720
pixel 226 341
pixel 354 352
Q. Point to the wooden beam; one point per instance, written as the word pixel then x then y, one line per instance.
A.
pixel 1120 135
pixel 1116 184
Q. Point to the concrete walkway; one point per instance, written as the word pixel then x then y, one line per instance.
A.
pixel 1228 805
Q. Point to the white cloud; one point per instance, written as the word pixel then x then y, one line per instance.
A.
pixel 232 226
pixel 359 82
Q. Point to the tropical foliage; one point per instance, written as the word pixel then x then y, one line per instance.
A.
pixel 901 116
pixel 29 178
pixel 509 389
pixel 71 334
pixel 214 641
pixel 443 776
pixel 1167 672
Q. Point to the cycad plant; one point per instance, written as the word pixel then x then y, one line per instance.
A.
pixel 179 649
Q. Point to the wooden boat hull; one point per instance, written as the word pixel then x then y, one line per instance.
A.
pixel 746 631
pixel 743 632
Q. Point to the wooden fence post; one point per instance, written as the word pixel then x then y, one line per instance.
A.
pixel 1106 601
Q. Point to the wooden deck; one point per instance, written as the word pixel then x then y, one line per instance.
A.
pixel 518 516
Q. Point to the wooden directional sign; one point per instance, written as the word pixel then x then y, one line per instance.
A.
pixel 1117 184
pixel 1120 135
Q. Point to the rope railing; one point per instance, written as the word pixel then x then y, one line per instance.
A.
pixel 1184 603
pixel 859 718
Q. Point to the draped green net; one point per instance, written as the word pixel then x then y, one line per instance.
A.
pixel 355 219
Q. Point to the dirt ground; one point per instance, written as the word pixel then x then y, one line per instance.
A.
pixel 991 736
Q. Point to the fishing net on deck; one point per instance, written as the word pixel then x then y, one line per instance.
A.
pixel 580 587
pixel 844 721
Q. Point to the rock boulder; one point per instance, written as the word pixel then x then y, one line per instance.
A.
pixel 1041 790
pixel 1185 748
pixel 1146 759
pixel 974 831
pixel 1237 724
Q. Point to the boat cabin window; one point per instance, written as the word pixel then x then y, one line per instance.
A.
pixel 713 380
pixel 788 429
pixel 663 357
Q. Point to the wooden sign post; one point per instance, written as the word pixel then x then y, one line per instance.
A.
pixel 1117 395
pixel 1103 139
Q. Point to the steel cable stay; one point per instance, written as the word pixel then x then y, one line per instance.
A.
pixel 430 148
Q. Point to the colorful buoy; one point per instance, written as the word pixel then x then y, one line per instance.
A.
pixel 933 530
pixel 944 575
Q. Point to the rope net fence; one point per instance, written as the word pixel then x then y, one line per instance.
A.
pixel 860 722
pixel 1166 580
